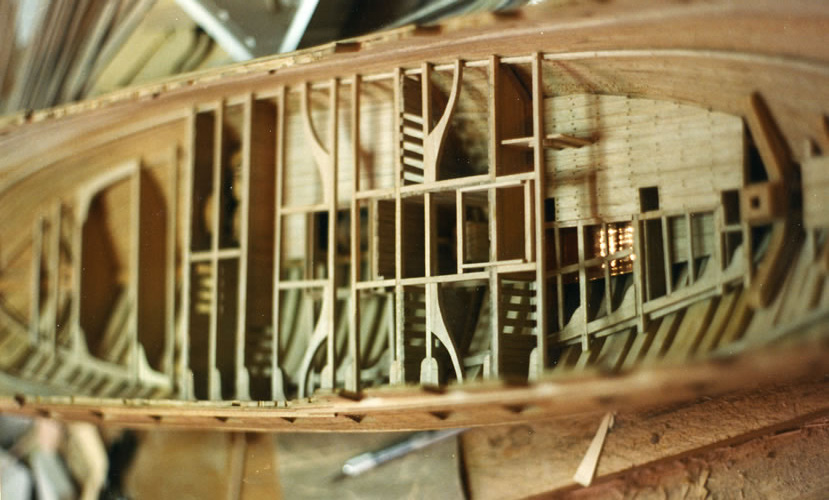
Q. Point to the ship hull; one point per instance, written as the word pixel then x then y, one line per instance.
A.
pixel 621 205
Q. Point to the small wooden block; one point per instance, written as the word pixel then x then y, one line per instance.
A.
pixel 764 202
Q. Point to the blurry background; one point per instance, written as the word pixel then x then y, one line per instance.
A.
pixel 57 51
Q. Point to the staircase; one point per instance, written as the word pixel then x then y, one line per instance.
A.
pixel 414 328
pixel 517 337
pixel 411 147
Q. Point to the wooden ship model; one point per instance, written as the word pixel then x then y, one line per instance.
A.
pixel 505 217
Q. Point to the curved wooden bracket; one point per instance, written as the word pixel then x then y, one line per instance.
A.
pixel 321 332
pixel 433 143
pixel 322 157
pixel 438 328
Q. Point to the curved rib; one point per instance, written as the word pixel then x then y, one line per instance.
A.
pixel 321 155
pixel 775 206
pixel 433 143
pixel 317 338
pixel 438 328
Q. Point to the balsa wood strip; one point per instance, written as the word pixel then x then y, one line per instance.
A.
pixel 587 468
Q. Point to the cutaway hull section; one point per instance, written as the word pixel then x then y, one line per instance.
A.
pixel 336 246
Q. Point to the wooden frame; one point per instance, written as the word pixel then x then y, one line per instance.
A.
pixel 326 232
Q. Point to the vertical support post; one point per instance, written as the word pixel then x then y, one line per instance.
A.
pixel 374 265
pixel 331 287
pixel 719 250
pixel 692 266
pixel 430 247
pixel 529 249
pixel 494 123
pixel 242 389
pixel 353 380
pixel 277 385
pixel 583 283
pixel 185 382
pixel 748 254
pixel 429 174
pixel 495 324
pixel 397 375
pixel 496 360
pixel 77 342
pixel 214 383
pixel 34 289
pixel 170 268
pixel 639 270
pixel 460 216
pixel 559 280
pixel 134 267
pixel 50 333
pixel 606 265
pixel 666 250
pixel 540 187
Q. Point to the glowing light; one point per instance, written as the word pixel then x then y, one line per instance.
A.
pixel 618 237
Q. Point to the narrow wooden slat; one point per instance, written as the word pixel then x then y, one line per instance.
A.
pixel 540 234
